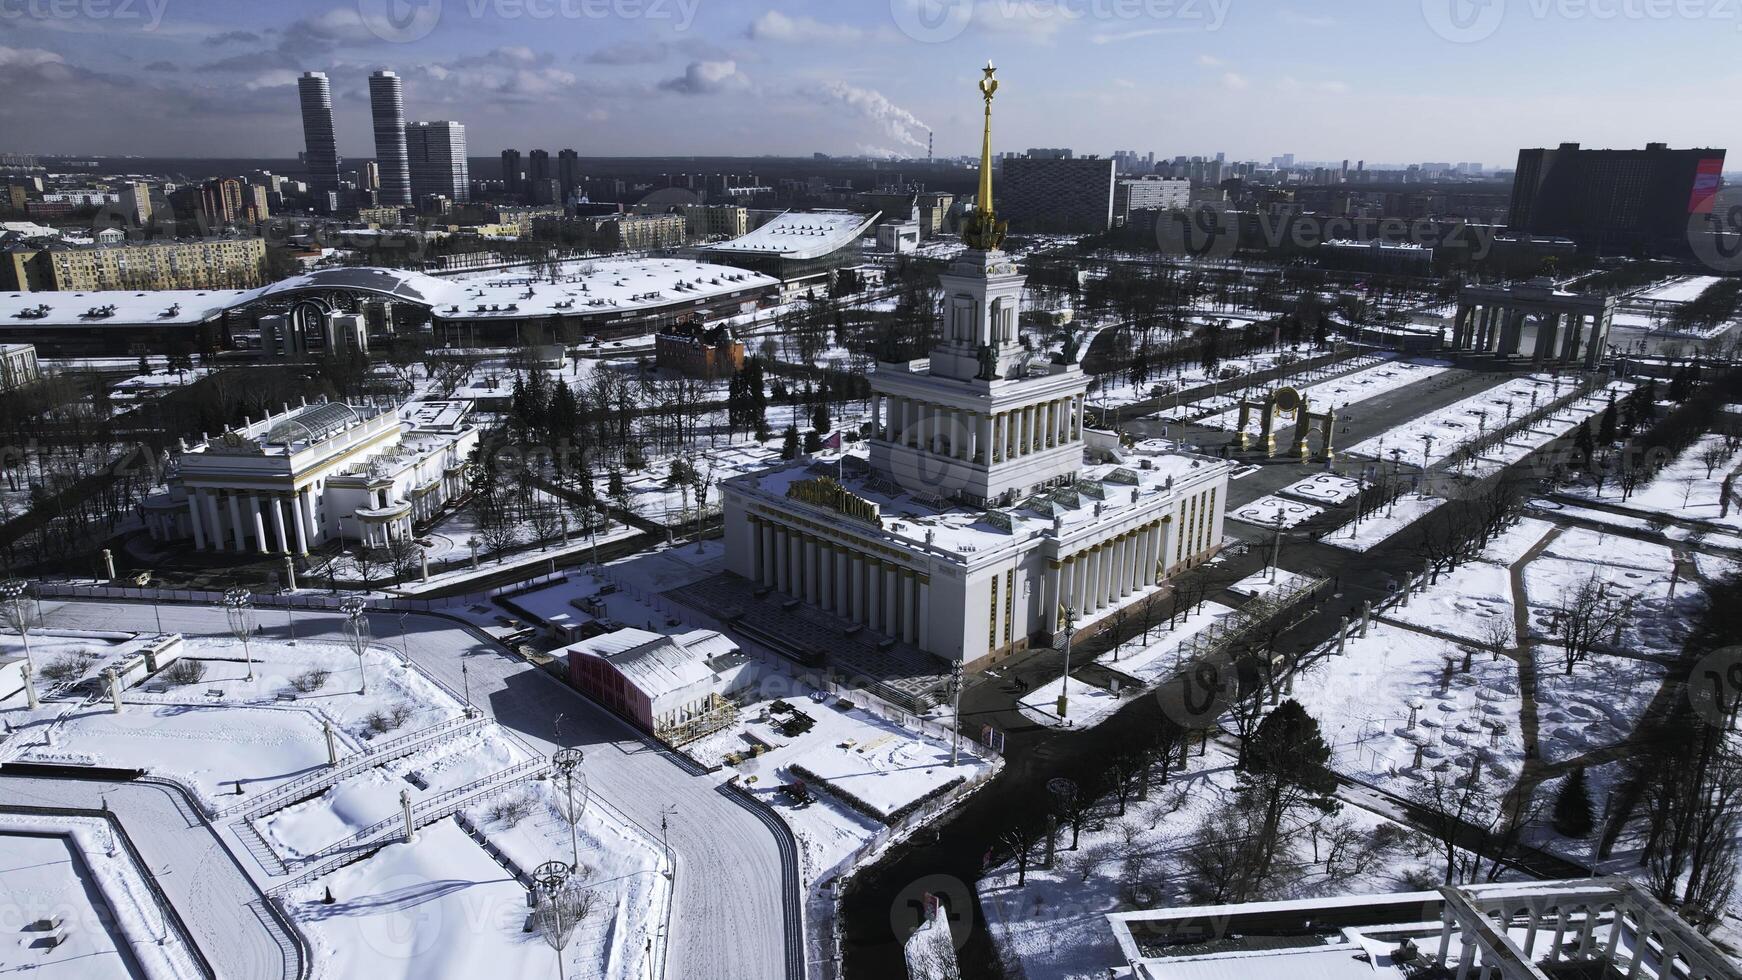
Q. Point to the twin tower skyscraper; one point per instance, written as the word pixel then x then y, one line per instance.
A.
pixel 413 161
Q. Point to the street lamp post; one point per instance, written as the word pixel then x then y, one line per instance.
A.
pixel 16 593
pixel 239 610
pixel 357 633
pixel 1065 682
pixel 956 711
pixel 1276 549
pixel 566 762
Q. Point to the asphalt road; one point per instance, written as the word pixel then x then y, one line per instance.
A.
pixel 217 900
pixel 735 908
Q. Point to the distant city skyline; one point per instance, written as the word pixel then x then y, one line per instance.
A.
pixel 1373 79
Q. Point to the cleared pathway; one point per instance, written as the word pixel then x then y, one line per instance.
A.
pixel 735 910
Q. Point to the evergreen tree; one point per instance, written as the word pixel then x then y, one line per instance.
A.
pixel 1286 767
pixel 789 443
pixel 1572 806
pixel 820 418
pixel 1606 426
pixel 813 443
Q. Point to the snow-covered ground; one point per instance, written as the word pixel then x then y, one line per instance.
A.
pixel 71 872
pixel 1324 488
pixel 442 907
pixel 1463 420
pixel 1364 699
pixel 1370 532
pixel 1054 924
pixel 1682 488
pixel 1265 510
pixel 1378 379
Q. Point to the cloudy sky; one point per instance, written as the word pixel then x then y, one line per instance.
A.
pixel 1384 80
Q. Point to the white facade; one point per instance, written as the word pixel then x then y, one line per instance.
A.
pixel 293 481
pixel 984 513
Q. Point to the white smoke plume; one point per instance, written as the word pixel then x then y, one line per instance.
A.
pixel 897 123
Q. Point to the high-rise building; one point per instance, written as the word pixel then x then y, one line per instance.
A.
pixel 387 110
pixel 537 168
pixel 568 172
pixel 437 151
pixel 136 202
pixel 321 154
pixel 1615 200
pixel 511 171
pixel 1061 195
pixel 1149 194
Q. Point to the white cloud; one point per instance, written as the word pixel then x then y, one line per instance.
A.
pixel 1210 61
pixel 1114 37
pixel 776 26
pixel 277 78
pixel 28 58
pixel 706 78
pixel 1235 82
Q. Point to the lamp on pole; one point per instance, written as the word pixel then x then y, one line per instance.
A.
pixel 16 594
pixel 955 711
pixel 566 762
pixel 1065 682
pixel 357 634
pixel 238 606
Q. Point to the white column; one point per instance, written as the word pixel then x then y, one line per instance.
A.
pixel 795 559
pixel 825 576
pixel 908 603
pixel 236 523
pixel 843 579
pixel 874 594
pixel 278 524
pixel 983 447
pixel 765 573
pixel 1082 574
pixel 892 600
pixel 810 570
pixel 1152 557
pixel 259 520
pixel 781 564
pixel 858 589
pixel 214 521
pixel 194 519
pixel 316 532
pixel 1049 601
pixel 925 613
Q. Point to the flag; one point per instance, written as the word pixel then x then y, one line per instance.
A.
pixel 833 441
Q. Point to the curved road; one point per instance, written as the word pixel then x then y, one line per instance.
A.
pixel 735 908
pixel 205 883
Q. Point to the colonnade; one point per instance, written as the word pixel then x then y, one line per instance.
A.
pixel 1100 575
pixel 1570 924
pixel 1564 335
pixel 877 592
pixel 227 520
pixel 958 433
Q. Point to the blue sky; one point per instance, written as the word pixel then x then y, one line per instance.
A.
pixel 1384 80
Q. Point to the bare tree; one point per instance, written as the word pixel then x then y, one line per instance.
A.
pixel 1583 614
pixel 1018 841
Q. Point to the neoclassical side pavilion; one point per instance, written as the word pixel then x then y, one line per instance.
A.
pixel 1566 328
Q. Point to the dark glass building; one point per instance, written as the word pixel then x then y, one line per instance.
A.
pixel 1627 202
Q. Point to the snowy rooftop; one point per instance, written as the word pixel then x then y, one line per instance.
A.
pixel 799 235
pixel 1685 289
pixel 583 287
pixel 658 664
pixel 1103 492
pixel 122 306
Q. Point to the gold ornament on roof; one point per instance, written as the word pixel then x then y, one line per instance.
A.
pixel 983 230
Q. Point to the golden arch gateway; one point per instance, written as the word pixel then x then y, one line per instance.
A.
pixel 1289 403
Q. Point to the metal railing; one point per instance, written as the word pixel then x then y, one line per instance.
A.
pixel 377 755
pixel 426 812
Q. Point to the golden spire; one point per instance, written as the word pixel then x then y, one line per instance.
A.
pixel 984 231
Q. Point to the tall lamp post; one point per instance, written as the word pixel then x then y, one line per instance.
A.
pixel 239 610
pixel 357 634
pixel 567 762
pixel 16 594
pixel 1065 682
